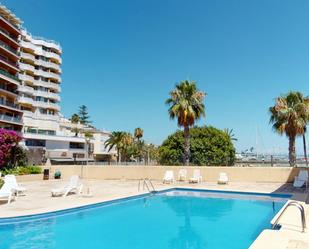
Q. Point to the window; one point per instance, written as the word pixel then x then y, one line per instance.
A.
pixel 35 142
pixel 74 145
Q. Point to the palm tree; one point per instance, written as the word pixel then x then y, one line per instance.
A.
pixel 121 140
pixel 114 140
pixel 75 119
pixel 305 145
pixel 289 116
pixel 230 133
pixel 138 133
pixel 186 104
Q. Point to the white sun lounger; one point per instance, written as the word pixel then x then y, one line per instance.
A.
pixel 197 177
pixel 12 179
pixel 169 177
pixel 7 192
pixel 223 178
pixel 182 175
pixel 74 186
pixel 301 179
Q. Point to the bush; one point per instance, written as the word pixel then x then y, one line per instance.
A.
pixel 209 146
pixel 1 183
pixel 26 170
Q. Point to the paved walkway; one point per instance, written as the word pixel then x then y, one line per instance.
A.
pixel 38 197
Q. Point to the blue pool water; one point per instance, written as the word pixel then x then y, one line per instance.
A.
pixel 178 219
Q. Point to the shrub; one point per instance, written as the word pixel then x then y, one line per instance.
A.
pixel 8 143
pixel 1 183
pixel 209 146
pixel 25 170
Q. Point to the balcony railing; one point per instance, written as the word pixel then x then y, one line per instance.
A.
pixel 27 56
pixel 8 34
pixel 8 61
pixel 7 74
pixel 26 89
pixel 10 23
pixel 28 67
pixel 3 87
pixel 26 100
pixel 26 77
pixel 10 119
pixel 9 104
pixel 4 45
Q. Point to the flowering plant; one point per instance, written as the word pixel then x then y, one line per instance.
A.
pixel 8 140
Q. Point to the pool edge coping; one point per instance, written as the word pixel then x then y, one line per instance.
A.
pixel 49 214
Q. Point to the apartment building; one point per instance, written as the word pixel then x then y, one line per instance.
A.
pixel 39 92
pixel 30 79
pixel 10 112
pixel 100 152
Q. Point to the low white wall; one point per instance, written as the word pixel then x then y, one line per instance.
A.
pixel 236 174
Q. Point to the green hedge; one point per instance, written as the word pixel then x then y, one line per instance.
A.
pixel 209 146
pixel 25 170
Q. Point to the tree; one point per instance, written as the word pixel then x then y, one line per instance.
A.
pixel 83 115
pixel 8 143
pixel 138 133
pixel 121 140
pixel 230 133
pixel 209 146
pixel 75 120
pixel 186 104
pixel 305 146
pixel 289 116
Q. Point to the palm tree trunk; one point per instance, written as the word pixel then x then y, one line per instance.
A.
pixel 292 151
pixel 119 156
pixel 187 145
pixel 305 148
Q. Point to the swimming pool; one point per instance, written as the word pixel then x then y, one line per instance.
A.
pixel 174 219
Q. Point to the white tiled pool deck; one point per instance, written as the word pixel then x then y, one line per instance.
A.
pixel 38 200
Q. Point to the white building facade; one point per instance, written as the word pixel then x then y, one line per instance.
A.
pixel 46 133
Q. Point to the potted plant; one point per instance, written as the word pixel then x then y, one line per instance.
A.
pixel 57 174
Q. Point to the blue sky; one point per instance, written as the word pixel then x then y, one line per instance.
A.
pixel 121 58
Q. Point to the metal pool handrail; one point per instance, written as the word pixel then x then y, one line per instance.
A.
pixel 148 183
pixel 302 214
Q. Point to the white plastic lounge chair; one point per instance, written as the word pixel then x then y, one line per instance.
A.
pixel 74 186
pixel 7 192
pixel 197 177
pixel 301 179
pixel 18 189
pixel 168 177
pixel 223 178
pixel 182 175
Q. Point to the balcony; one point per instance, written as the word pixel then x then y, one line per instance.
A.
pixel 7 90
pixel 9 77
pixel 9 36
pixel 49 95
pixel 52 55
pixel 52 85
pixel 28 45
pixel 14 120
pixel 26 89
pixel 10 105
pixel 9 63
pixel 26 67
pixel 25 77
pixel 48 64
pixel 39 116
pixel 27 56
pixel 9 49
pixel 13 26
pixel 48 105
pixel 26 100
